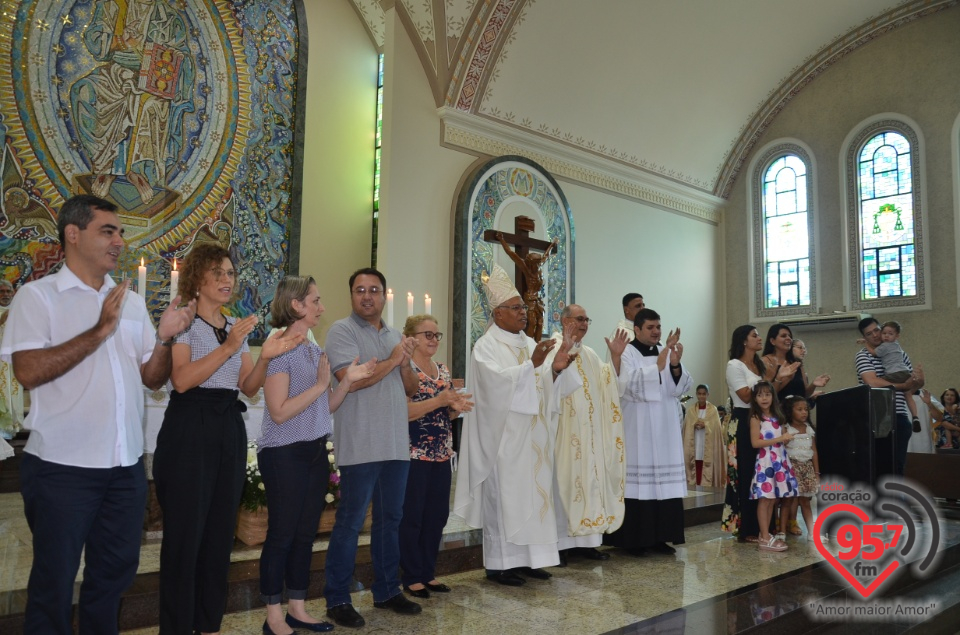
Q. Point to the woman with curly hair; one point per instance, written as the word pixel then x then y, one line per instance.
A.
pixel 199 462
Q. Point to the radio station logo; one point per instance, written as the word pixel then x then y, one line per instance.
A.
pixel 869 537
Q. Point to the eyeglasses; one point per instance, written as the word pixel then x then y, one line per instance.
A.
pixel 219 272
pixel 582 319
pixel 430 335
pixel 358 291
pixel 513 307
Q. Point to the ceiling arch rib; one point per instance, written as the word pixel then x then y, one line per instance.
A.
pixel 814 66
pixel 473 69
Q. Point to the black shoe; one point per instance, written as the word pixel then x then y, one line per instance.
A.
pixel 507 578
pixel 269 631
pixel 538 574
pixel 345 615
pixel 593 554
pixel 638 552
pixel 439 587
pixel 563 558
pixel 399 604
pixel 319 627
pixel 664 548
pixel 418 593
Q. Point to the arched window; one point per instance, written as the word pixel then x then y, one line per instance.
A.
pixel 783 233
pixel 376 160
pixel 885 219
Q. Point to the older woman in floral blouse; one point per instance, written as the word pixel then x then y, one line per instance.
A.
pixel 426 505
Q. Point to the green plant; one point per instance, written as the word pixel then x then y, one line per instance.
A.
pixel 254 493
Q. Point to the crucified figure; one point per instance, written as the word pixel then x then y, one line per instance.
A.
pixel 530 266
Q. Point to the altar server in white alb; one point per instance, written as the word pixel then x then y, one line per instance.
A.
pixel 590 464
pixel 651 380
pixel 505 482
pixel 632 303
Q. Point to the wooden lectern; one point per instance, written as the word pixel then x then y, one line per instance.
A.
pixel 855 434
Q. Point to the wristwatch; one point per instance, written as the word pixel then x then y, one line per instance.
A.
pixel 169 342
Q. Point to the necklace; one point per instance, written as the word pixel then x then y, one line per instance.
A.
pixel 219 332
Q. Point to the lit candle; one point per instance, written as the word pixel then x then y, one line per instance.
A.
pixel 174 281
pixel 142 280
pixel 427 303
pixel 390 307
pixel 409 304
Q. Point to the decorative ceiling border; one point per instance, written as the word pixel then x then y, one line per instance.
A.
pixel 493 138
pixel 469 74
pixel 808 71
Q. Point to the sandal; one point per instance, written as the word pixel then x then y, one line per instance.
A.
pixel 782 537
pixel 795 528
pixel 773 544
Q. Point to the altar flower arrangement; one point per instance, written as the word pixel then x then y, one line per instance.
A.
pixel 333 482
pixel 254 494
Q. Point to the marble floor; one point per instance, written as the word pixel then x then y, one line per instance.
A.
pixel 721 585
pixel 585 597
pixel 16 544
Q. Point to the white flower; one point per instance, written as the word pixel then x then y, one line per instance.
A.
pixel 328 498
pixel 338 472
pixel 329 445
pixel 251 457
pixel 261 487
pixel 332 458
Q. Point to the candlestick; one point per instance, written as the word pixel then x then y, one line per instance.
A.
pixel 427 303
pixel 174 281
pixel 390 307
pixel 142 280
pixel 409 304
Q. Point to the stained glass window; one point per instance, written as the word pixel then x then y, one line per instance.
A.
pixel 885 188
pixel 786 235
pixel 376 159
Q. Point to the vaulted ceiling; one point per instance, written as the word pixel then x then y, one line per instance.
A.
pixel 678 90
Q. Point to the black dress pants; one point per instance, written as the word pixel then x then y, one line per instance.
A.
pixel 199 470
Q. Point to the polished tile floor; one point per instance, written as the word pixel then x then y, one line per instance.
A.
pixel 583 598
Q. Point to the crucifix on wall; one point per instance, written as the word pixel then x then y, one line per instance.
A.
pixel 528 266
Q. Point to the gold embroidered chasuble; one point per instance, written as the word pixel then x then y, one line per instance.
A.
pixel 590 463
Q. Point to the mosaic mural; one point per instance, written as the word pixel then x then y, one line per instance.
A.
pixel 483 196
pixel 181 112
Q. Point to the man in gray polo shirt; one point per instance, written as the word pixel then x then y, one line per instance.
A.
pixel 373 449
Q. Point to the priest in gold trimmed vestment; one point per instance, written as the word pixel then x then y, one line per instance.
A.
pixel 590 464
pixel 704 443
pixel 505 478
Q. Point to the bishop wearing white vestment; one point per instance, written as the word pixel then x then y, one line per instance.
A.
pixel 505 478
pixel 651 380
pixel 590 463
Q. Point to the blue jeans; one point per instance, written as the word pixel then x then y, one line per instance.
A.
pixel 383 482
pixel 71 508
pixel 901 441
pixel 295 477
